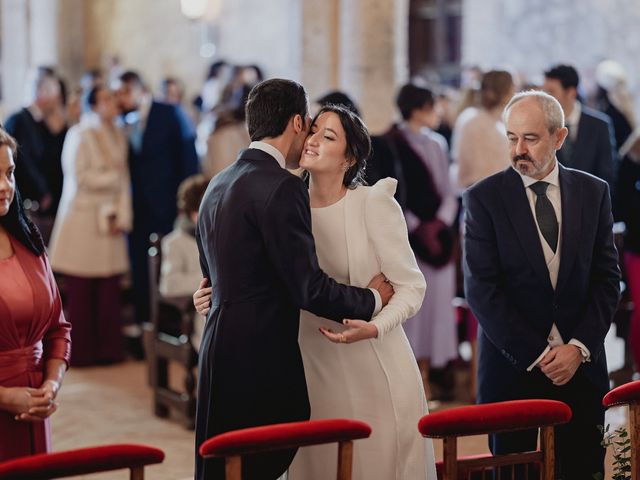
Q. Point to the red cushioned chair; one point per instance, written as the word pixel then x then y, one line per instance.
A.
pixel 629 394
pixel 495 418
pixel 82 461
pixel 233 445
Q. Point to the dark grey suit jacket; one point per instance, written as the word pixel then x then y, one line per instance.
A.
pixel 507 281
pixel 594 150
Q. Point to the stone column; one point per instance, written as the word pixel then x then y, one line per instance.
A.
pixel 320 46
pixel 16 53
pixel 373 56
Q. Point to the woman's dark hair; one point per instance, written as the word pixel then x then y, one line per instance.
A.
pixel 336 97
pixel 412 97
pixel 270 106
pixel 16 222
pixel 358 143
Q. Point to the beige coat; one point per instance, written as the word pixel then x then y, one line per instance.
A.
pixel 223 147
pixel 96 186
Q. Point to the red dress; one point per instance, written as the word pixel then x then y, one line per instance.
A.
pixel 32 331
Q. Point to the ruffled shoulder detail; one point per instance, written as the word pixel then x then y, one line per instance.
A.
pixel 385 186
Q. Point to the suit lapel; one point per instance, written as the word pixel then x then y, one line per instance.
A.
pixel 520 215
pixel 571 201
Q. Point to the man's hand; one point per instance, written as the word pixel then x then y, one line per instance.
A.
pixel 561 363
pixel 202 298
pixel 384 288
pixel 357 330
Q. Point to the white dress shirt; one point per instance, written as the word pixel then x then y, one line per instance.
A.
pixel 552 259
pixel 279 157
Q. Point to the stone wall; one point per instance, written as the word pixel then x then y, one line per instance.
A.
pixel 531 35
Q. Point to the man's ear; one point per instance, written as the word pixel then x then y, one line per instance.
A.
pixel 298 123
pixel 561 135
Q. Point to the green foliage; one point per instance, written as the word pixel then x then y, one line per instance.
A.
pixel 621 443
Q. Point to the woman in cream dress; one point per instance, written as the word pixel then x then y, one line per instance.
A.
pixel 88 243
pixel 362 370
pixel 360 231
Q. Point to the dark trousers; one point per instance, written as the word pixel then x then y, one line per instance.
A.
pixel 95 312
pixel 579 454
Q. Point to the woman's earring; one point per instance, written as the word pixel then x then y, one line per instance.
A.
pixel 346 167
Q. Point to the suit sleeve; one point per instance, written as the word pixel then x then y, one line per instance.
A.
pixel 387 232
pixel 607 164
pixel 484 283
pixel 604 284
pixel 286 230
pixel 189 158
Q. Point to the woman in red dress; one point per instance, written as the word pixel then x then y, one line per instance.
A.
pixel 34 336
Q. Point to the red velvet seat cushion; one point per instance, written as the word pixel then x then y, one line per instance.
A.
pixel 626 393
pixel 80 461
pixel 494 417
pixel 284 435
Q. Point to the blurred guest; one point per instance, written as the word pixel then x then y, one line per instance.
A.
pixel 614 99
pixel 88 244
pixel 628 198
pixel 35 343
pixel 432 332
pixel 74 106
pixel 161 154
pixel 181 273
pixel 445 107
pixel 217 78
pixel 171 91
pixel 38 168
pixel 229 136
pixel 479 141
pixel 91 78
pixel 590 145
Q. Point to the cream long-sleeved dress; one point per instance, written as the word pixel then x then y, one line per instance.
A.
pixel 376 381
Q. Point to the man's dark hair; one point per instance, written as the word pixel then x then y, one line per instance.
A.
pixel 132 77
pixel 336 97
pixel 565 74
pixel 270 106
pixel 412 97
pixel 358 143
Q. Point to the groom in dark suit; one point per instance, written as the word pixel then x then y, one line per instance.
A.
pixel 541 275
pixel 256 247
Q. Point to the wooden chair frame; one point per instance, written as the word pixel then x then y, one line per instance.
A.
pixel 162 347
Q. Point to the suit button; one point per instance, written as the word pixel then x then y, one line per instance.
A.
pixel 555 306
